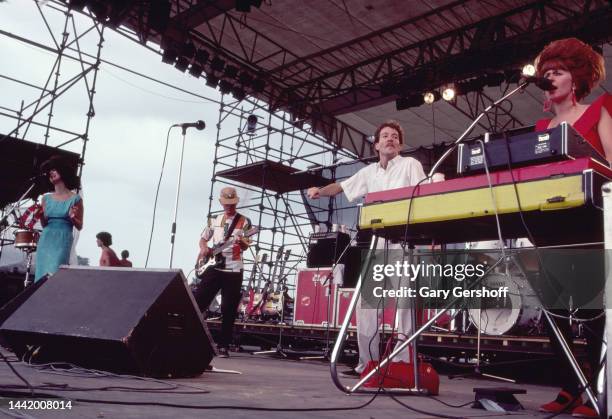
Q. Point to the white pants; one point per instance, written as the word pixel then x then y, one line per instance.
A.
pixel 369 322
pixel 368 336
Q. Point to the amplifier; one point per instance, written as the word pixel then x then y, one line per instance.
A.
pixel 526 148
pixel 325 248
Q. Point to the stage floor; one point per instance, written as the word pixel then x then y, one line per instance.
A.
pixel 263 382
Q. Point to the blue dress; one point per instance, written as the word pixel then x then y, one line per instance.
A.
pixel 55 241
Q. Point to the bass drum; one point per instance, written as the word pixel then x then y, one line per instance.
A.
pixel 519 313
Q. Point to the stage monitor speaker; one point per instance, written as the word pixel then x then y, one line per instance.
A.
pixel 130 321
pixel 325 248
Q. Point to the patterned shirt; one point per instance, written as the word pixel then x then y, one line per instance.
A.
pixel 217 229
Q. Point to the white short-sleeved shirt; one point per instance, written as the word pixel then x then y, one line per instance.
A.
pixel 400 172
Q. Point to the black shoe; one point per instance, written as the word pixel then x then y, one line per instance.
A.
pixel 350 373
pixel 222 352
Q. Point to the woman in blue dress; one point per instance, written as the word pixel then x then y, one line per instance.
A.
pixel 63 210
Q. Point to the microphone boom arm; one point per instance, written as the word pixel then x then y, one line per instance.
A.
pixel 469 129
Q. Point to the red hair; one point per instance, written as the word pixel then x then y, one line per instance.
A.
pixel 391 124
pixel 585 65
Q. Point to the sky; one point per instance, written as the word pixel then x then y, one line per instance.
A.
pixel 127 135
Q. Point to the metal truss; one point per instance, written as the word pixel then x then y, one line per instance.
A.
pixel 40 112
pixel 494 43
pixel 498 120
pixel 36 118
pixel 283 218
pixel 347 77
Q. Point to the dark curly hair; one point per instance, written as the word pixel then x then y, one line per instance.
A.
pixel 105 238
pixel 66 171
pixel 585 64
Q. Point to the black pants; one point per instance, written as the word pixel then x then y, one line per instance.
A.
pixel 574 277
pixel 230 284
pixel 593 333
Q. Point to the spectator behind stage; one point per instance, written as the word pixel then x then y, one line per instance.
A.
pixel 108 256
pixel 124 259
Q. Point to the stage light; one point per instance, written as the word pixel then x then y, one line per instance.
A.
pixel 245 79
pixel 448 93
pixel 431 97
pixel 195 70
pixel 217 64
pixel 238 93
pixel 410 101
pixel 188 50
pixel 169 55
pixel 225 87
pixel 388 87
pixel 201 56
pixel 212 80
pixel 251 124
pixel 230 71
pixel 529 70
pixel 182 63
pixel 259 85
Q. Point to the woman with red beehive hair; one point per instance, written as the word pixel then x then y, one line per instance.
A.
pixel 574 69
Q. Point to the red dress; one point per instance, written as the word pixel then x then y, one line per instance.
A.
pixel 586 125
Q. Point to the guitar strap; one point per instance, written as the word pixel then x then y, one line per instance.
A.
pixel 220 259
pixel 232 226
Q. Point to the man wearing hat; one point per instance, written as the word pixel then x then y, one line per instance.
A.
pixel 227 274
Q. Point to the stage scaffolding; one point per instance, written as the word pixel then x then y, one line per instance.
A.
pixel 271 164
pixel 37 112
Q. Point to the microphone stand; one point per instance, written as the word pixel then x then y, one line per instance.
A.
pixel 16 203
pixel 178 191
pixel 469 129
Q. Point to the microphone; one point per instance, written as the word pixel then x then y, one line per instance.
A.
pixel 542 82
pixel 41 175
pixel 199 125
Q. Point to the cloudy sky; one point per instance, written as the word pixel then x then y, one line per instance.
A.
pixel 127 135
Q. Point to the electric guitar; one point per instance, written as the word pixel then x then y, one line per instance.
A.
pixel 213 258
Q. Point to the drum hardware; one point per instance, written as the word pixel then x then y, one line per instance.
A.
pixel 27 241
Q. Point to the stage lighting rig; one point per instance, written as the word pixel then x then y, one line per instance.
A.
pixel 431 97
pixel 448 93
pixel 529 70
pixel 212 80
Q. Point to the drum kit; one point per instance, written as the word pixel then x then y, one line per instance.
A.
pixel 518 313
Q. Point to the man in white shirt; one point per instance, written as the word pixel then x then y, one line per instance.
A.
pixel 390 172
